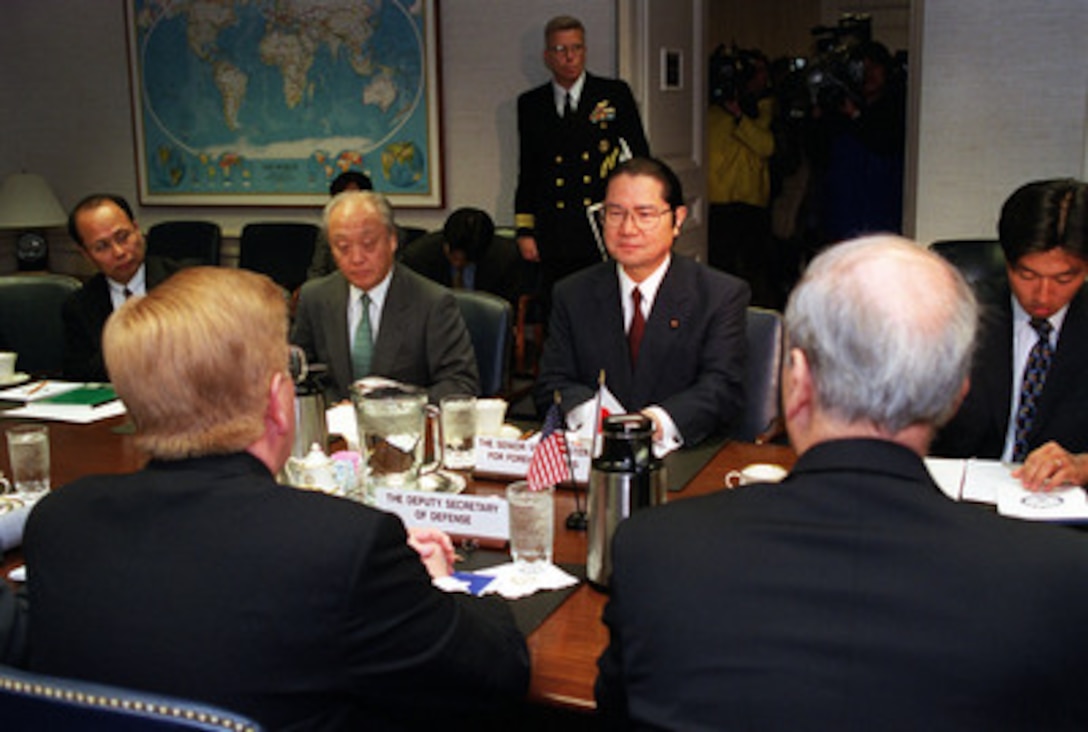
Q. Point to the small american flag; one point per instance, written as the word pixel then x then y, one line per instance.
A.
pixel 549 464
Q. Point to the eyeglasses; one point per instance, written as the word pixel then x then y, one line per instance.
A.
pixel 643 218
pixel 573 49
pixel 118 239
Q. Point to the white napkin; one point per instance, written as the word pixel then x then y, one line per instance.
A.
pixel 14 510
pixel 511 582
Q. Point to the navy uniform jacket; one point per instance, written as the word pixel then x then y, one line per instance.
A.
pixel 852 596
pixel 980 425
pixel 563 164
pixel 205 579
pixel 693 353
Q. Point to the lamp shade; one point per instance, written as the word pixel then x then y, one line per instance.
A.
pixel 27 202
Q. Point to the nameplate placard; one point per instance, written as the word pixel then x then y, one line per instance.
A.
pixel 484 517
pixel 511 458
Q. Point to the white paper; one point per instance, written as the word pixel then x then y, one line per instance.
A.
pixel 948 474
pixel 983 478
pixel 1070 504
pixel 73 413
pixel 36 390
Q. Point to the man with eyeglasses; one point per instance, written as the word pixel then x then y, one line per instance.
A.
pixel 103 226
pixel 572 131
pixel 375 317
pixel 1028 385
pixel 668 332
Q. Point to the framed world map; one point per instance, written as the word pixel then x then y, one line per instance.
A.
pixel 264 102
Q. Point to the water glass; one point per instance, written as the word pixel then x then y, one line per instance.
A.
pixel 28 452
pixel 458 431
pixel 532 525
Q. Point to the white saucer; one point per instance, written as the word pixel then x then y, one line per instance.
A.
pixel 510 432
pixel 15 379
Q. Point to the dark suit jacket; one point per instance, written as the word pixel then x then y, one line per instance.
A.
pixel 852 596
pixel 563 164
pixel 499 271
pixel 204 578
pixel 693 351
pixel 979 428
pixel 85 313
pixel 422 339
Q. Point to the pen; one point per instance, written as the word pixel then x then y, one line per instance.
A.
pixel 37 387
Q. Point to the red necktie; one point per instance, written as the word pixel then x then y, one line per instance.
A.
pixel 638 326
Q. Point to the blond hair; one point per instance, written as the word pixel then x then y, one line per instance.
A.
pixel 194 359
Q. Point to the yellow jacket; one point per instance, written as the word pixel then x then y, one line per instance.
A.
pixel 738 171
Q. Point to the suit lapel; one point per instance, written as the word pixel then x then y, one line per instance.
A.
pixel 336 313
pixel 606 320
pixel 667 322
pixel 1070 358
pixel 397 301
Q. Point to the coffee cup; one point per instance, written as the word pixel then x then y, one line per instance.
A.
pixel 755 473
pixel 7 365
pixel 490 414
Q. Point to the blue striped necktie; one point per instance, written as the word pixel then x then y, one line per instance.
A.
pixel 1031 388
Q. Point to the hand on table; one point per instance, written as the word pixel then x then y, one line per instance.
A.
pixel 1051 467
pixel 435 549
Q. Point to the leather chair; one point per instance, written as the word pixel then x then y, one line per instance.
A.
pixel 189 243
pixel 978 260
pixel 30 320
pixel 280 250
pixel 760 421
pixel 34 701
pixel 489 320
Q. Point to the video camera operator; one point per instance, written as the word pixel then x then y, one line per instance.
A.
pixel 740 144
pixel 859 107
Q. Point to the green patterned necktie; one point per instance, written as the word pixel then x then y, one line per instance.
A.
pixel 362 347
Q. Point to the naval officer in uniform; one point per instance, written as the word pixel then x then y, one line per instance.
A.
pixel 572 131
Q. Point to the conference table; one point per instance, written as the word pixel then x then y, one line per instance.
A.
pixel 564 647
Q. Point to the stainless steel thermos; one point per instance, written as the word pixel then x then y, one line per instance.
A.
pixel 625 477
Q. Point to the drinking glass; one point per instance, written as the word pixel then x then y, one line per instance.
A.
pixel 28 451
pixel 458 431
pixel 532 525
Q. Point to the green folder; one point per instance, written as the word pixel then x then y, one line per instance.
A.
pixel 89 395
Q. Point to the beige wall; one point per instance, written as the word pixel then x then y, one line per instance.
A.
pixel 1003 99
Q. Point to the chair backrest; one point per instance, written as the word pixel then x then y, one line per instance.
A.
pixel 977 259
pixel 490 321
pixel 763 375
pixel 280 250
pixel 35 701
pixel 30 319
pixel 188 243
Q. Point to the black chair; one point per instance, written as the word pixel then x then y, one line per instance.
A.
pixel 30 320
pixel 34 701
pixel 489 320
pixel 760 421
pixel 188 243
pixel 978 260
pixel 280 250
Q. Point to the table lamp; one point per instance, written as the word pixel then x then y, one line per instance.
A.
pixel 27 203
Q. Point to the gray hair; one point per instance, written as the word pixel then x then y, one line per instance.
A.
pixel 369 199
pixel 888 329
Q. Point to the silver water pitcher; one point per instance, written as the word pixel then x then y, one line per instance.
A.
pixel 310 425
pixel 625 477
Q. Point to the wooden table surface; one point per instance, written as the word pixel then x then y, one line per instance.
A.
pixel 564 648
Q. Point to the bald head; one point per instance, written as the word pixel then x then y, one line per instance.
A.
pixel 887 329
